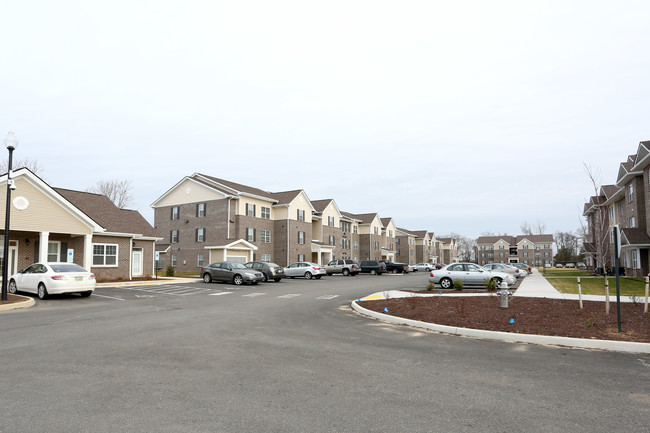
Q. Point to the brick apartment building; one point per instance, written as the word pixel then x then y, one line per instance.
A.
pixel 535 250
pixel 626 204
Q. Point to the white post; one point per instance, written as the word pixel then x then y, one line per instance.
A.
pixel 43 241
pixel 579 293
pixel 606 296
pixel 88 252
pixel 645 307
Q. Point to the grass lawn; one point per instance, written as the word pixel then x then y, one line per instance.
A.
pixel 596 285
pixel 564 272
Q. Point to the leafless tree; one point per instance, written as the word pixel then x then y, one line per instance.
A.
pixel 568 240
pixel 599 233
pixel 464 244
pixel 532 229
pixel 118 191
pixel 29 163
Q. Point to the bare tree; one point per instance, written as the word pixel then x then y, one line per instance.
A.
pixel 465 246
pixel 532 229
pixel 28 163
pixel 598 230
pixel 526 229
pixel 118 191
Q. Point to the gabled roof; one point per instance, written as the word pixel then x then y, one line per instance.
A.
pixel 320 205
pixel 404 232
pixel 626 171
pixel 634 237
pixel 386 221
pixel 642 156
pixel 365 218
pixel 511 240
pixel 103 211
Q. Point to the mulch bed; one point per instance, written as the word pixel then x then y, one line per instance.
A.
pixel 538 316
pixel 12 299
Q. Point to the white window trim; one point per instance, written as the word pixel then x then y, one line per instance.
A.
pixel 58 250
pixel 117 255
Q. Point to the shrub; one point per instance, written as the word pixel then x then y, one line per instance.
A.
pixel 490 285
pixel 458 284
pixel 170 271
pixel 431 287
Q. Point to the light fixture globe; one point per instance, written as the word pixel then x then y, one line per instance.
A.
pixel 11 142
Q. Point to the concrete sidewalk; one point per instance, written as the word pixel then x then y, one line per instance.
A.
pixel 536 286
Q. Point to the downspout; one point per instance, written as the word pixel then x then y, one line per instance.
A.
pixel 288 237
pixel 131 258
pixel 228 220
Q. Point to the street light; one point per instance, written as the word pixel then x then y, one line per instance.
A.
pixel 12 143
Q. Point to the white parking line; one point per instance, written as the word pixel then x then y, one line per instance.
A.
pixel 290 295
pixel 252 295
pixel 328 297
pixel 109 297
pixel 221 293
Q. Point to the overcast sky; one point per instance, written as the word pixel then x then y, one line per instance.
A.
pixel 454 116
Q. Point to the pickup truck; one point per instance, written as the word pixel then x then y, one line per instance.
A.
pixel 396 267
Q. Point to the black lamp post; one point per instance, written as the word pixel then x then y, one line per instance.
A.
pixel 11 142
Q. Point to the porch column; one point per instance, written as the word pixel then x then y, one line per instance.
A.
pixel 88 252
pixel 44 239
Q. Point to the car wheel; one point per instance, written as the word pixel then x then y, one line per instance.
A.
pixel 12 287
pixel 42 291
pixel 238 280
pixel 318 277
pixel 254 282
pixel 394 271
pixel 207 278
pixel 346 272
pixel 292 277
pixel 354 274
pixel 497 281
pixel 85 294
pixel 446 283
pixel 427 269
pixel 277 280
pixel 373 272
pixel 329 275
pixel 266 278
pixel 308 275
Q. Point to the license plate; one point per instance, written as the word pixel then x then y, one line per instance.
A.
pixel 78 278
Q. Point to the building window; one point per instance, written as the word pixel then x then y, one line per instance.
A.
pixel 301 238
pixel 501 255
pixel 250 234
pixel 200 210
pixel 546 254
pixel 250 210
pixel 173 236
pixel 632 222
pixel 104 254
pixel 266 257
pixel 53 251
pixel 301 215
pixel 501 247
pixel 526 246
pixel 390 233
pixel 200 235
pixel 175 212
pixel 330 221
pixel 630 192
pixel 356 245
pixel 376 230
pixel 490 255
pixel 301 257
pixel 482 255
pixel 199 259
pixel 635 259
pixel 266 236
pixel 525 254
pixel 342 243
pixel 347 244
pixel 174 260
pixel 332 240
pixel 355 229
pixel 266 213
pixel 376 245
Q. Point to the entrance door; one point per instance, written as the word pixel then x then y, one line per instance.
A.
pixel 137 262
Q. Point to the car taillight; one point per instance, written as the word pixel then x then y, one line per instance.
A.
pixel 57 277
pixel 92 276
pixel 516 271
pixel 431 274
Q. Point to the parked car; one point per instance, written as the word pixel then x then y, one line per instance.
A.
pixel 307 270
pixel 343 266
pixel 470 274
pixel 270 270
pixel 395 268
pixel 503 267
pixel 570 265
pixel 439 265
pixel 231 272
pixel 373 267
pixel 422 267
pixel 46 279
pixel 559 265
pixel 524 267
pixel 581 265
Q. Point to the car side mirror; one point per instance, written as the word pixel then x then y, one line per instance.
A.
pixel 21 271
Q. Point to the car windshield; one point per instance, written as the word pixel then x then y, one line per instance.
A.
pixel 237 266
pixel 273 265
pixel 67 267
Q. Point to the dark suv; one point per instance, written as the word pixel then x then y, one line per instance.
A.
pixel 343 266
pixel 374 267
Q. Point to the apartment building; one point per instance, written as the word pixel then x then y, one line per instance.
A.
pixel 624 204
pixel 534 250
pixel 332 230
pixel 405 247
pixel 448 248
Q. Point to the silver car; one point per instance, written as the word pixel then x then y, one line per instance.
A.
pixel 231 272
pixel 508 269
pixel 470 274
pixel 308 270
pixel 422 267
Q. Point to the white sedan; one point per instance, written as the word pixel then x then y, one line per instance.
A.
pixel 470 274
pixel 52 279
pixel 422 267
pixel 305 269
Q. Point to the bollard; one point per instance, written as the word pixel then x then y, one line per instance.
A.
pixel 579 293
pixel 606 296
pixel 645 307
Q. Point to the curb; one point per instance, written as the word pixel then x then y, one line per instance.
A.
pixel 157 282
pixel 27 302
pixel 617 346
